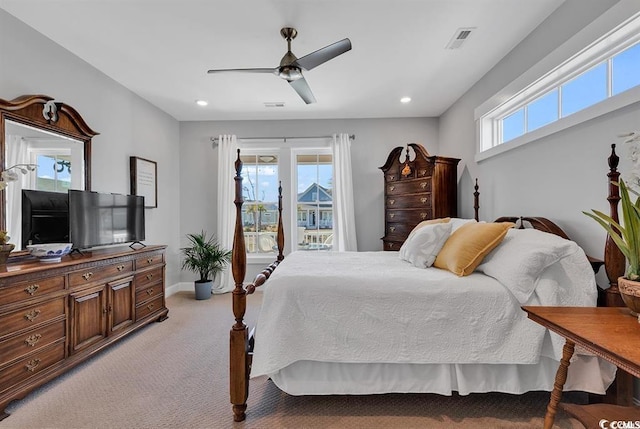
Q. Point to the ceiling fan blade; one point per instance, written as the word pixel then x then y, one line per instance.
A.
pixel 323 55
pixel 302 88
pixel 271 70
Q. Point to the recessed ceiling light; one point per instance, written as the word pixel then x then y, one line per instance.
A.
pixel 202 102
pixel 405 99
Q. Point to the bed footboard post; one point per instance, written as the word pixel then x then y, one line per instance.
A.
pixel 238 353
pixel 476 201
pixel 280 226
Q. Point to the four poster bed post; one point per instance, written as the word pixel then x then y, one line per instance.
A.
pixel 241 342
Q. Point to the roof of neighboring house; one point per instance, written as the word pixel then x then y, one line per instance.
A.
pixel 324 194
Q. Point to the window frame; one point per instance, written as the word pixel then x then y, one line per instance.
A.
pixel 547 75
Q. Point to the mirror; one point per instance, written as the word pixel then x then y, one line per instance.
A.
pixel 44 145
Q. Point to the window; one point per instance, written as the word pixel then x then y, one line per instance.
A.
pixel 53 172
pixel 599 79
pixel 260 208
pixel 314 202
pixel 305 172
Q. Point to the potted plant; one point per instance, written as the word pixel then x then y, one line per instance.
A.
pixel 205 257
pixel 627 237
pixel 5 247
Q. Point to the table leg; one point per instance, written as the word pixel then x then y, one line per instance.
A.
pixel 561 377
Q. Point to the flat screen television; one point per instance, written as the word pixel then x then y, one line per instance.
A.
pixel 99 219
pixel 45 217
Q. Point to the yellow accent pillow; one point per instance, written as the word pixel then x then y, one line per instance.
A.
pixel 468 245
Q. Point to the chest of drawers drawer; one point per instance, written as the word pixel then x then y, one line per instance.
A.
pixel 408 186
pixel 90 275
pixel 149 260
pixel 30 365
pixel 409 216
pixel 148 277
pixel 30 289
pixel 148 292
pixel 30 341
pixel 28 317
pixel 149 308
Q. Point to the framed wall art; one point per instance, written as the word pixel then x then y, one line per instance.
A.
pixel 144 180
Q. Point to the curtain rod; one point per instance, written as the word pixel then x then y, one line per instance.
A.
pixel 214 140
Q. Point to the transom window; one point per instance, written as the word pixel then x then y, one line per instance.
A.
pixel 575 91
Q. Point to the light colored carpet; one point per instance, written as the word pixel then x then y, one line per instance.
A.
pixel 175 375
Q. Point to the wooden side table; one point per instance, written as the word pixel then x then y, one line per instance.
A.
pixel 611 333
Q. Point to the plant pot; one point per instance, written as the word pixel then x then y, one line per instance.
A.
pixel 203 289
pixel 630 292
pixel 5 250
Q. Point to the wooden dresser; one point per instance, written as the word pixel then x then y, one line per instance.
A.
pixel 417 189
pixel 55 315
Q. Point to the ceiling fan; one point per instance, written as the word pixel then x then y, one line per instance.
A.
pixel 291 67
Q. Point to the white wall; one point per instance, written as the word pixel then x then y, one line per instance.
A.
pixel 128 125
pixel 374 140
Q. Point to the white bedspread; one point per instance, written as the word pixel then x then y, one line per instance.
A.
pixel 373 307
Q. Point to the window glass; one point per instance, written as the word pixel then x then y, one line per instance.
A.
pixel 543 111
pixel 585 90
pixel 513 126
pixel 53 173
pixel 260 208
pixel 314 201
pixel 626 70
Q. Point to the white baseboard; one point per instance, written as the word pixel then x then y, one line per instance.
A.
pixel 178 287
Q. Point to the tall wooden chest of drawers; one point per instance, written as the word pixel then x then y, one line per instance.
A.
pixel 416 188
pixel 54 316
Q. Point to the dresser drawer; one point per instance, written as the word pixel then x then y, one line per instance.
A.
pixel 30 289
pixel 31 316
pixel 409 186
pixel 148 292
pixel 148 277
pixel 30 341
pixel 31 365
pixel 94 274
pixel 410 216
pixel 422 200
pixel 399 230
pixel 148 308
pixel 149 260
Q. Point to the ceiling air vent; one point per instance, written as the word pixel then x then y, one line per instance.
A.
pixel 274 104
pixel 461 35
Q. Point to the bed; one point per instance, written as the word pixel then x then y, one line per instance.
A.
pixel 378 324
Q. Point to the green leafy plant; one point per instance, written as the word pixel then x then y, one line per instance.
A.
pixel 204 256
pixel 627 238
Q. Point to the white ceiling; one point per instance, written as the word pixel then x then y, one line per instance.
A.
pixel 161 50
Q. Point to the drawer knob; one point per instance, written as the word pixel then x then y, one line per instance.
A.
pixel 392 215
pixel 32 315
pixel 423 200
pixel 150 307
pixel 391 188
pixel 392 202
pixel 423 185
pixel 392 177
pixel 149 260
pixel 32 365
pixel 423 172
pixel 32 289
pixel 392 228
pixel 150 291
pixel 31 340
pixel 390 245
pixel 423 215
pixel 120 267
pixel 149 276
pixel 87 275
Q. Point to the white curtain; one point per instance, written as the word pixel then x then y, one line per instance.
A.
pixel 16 154
pixel 344 220
pixel 227 155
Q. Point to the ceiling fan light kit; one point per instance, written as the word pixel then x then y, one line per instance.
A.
pixel 291 67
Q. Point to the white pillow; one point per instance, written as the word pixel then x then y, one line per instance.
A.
pixel 457 222
pixel 422 247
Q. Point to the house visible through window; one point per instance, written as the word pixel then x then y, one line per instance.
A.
pixel 310 183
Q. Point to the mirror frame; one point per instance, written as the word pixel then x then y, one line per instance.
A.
pixel 43 112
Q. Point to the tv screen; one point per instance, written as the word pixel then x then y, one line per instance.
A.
pixel 97 219
pixel 45 217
